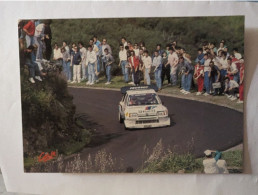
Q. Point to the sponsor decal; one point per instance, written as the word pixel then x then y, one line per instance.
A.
pixel 150 107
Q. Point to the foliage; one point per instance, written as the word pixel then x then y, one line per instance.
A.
pixel 48 116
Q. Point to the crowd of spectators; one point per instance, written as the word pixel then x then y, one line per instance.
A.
pixel 215 71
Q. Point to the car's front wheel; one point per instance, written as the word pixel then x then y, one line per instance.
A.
pixel 121 120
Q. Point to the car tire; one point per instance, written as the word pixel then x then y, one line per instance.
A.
pixel 121 120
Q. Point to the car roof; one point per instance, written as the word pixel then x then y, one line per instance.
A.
pixel 132 92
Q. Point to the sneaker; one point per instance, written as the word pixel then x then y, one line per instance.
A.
pixel 131 83
pixel 182 91
pixel 198 93
pixel 31 80
pixel 91 84
pixel 96 81
pixel 206 94
pixel 38 78
pixel 78 81
pixel 186 92
pixel 69 81
pixel 233 98
pixel 229 96
pixel 73 82
pixel 107 83
pixel 240 102
pixel 88 83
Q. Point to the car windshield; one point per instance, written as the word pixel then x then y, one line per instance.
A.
pixel 142 99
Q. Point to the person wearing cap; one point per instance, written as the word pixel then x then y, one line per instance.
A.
pixel 210 162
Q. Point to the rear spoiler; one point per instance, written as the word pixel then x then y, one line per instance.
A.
pixel 140 87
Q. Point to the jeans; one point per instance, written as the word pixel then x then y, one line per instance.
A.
pixel 125 70
pixel 67 70
pixel 39 43
pixel 147 76
pixel 91 72
pixel 223 73
pixel 158 78
pixel 207 81
pixel 29 40
pixel 98 67
pixel 236 77
pixel 183 81
pixel 108 70
pixel 189 81
pixel 77 73
pixel 84 71
pixel 33 69
pixel 173 79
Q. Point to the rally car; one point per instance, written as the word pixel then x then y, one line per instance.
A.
pixel 141 107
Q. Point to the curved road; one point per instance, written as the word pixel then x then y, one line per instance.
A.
pixel 195 126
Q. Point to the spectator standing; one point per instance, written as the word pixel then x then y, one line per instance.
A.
pixel 38 39
pixel 66 46
pixel 136 50
pixel 241 84
pixel 187 74
pixel 34 71
pixel 233 71
pixel 21 33
pixel 58 56
pixel 108 60
pixel 124 42
pixel 165 68
pixel 91 61
pixel 173 61
pixel 214 75
pixel 210 162
pixel 142 46
pixel 134 64
pixel 199 76
pixel 67 64
pixel 200 56
pixel 29 29
pixel 47 39
pixel 160 51
pixel 83 53
pixel 105 45
pixel 76 62
pixel 157 63
pixel 95 48
pixel 237 54
pixel 123 62
pixel 147 62
pixel 207 83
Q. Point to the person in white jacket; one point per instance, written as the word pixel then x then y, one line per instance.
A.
pixel 90 61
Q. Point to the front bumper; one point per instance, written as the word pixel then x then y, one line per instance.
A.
pixel 140 123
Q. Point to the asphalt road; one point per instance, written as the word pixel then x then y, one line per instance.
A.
pixel 195 127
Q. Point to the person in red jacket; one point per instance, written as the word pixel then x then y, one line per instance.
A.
pixel 29 29
pixel 199 76
pixel 134 64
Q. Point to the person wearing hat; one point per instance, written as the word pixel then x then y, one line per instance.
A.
pixel 210 162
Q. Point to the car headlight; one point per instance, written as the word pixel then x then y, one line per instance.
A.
pixel 133 114
pixel 162 113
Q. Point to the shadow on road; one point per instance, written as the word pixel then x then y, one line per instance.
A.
pixel 98 137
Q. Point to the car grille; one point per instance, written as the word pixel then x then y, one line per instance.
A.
pixel 147 121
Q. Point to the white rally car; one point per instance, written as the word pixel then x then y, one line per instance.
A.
pixel 141 107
